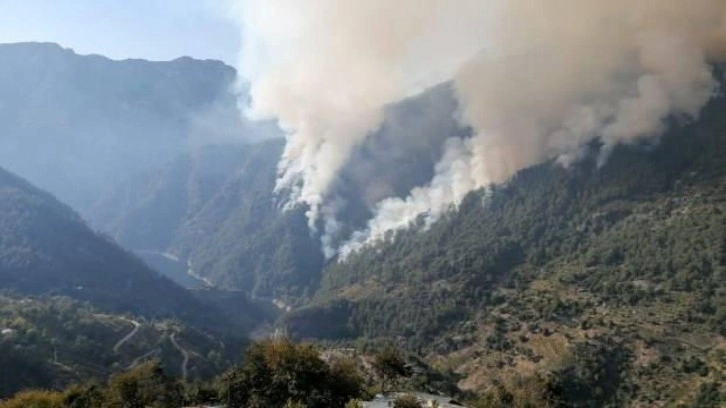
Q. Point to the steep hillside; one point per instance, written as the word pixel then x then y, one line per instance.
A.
pixel 215 208
pixel 53 342
pixel 145 210
pixel 242 239
pixel 74 125
pixel 558 271
pixel 46 248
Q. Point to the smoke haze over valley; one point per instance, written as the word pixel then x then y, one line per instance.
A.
pixel 499 202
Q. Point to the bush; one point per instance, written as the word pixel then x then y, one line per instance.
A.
pixel 389 365
pixel 35 399
pixel 354 403
pixel 407 401
pixel 276 373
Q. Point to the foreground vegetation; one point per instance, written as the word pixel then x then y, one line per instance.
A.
pixel 277 374
pixel 52 342
pixel 272 374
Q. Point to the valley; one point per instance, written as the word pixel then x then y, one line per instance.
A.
pixel 174 269
pixel 182 272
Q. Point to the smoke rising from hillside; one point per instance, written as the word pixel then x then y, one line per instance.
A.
pixel 326 68
pixel 535 80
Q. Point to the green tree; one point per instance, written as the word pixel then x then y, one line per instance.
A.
pixel 354 403
pixel 407 401
pixel 275 373
pixel 90 396
pixel 200 393
pixel 145 386
pixel 709 396
pixel 389 365
pixel 35 399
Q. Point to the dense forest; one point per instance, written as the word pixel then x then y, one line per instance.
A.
pixel 630 254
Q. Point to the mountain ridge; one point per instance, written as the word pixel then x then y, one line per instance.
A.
pixel 90 121
pixel 45 247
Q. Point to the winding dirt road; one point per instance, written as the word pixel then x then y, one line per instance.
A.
pixel 128 336
pixel 184 353
pixel 138 360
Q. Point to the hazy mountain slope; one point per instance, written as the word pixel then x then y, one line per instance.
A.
pixel 46 248
pixel 145 210
pixel 216 209
pixel 629 258
pixel 216 206
pixel 243 239
pixel 75 124
pixel 52 342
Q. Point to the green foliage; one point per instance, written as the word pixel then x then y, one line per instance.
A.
pixel 530 392
pixel 21 369
pixel 407 401
pixel 200 393
pixel 597 376
pixel 89 396
pixel 35 399
pixel 144 386
pixel 389 364
pixel 354 403
pixel 275 373
pixel 710 395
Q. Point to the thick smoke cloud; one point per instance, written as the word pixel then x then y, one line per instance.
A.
pixel 326 68
pixel 534 79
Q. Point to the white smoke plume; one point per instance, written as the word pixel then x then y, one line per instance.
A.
pixel 535 80
pixel 326 68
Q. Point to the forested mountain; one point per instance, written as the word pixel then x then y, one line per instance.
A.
pixel 550 274
pixel 53 342
pixel 46 248
pixel 74 125
pixel 216 208
pixel 560 270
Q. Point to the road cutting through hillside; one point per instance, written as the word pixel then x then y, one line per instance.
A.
pixel 128 336
pixel 139 359
pixel 184 353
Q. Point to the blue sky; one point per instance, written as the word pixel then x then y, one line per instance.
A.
pixel 150 29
